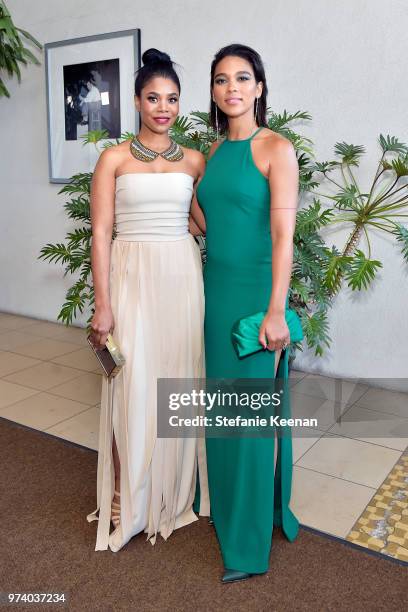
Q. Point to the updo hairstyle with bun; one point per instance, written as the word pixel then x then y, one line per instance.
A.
pixel 155 63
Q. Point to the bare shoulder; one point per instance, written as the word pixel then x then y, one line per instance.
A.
pixel 193 156
pixel 112 157
pixel 195 161
pixel 275 146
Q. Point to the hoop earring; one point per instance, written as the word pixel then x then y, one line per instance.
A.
pixel 256 110
pixel 216 120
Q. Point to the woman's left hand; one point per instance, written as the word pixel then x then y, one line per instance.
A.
pixel 274 332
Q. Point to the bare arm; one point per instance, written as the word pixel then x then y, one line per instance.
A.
pixel 102 214
pixel 283 183
pixel 197 219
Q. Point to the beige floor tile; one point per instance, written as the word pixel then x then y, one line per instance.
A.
pixel 295 376
pixel 48 329
pixel 82 428
pixel 373 426
pixel 325 411
pixel 301 444
pixel 86 389
pixel 13 340
pixel 14 322
pixel 390 402
pixel 11 362
pixel 335 389
pixel 45 348
pixel 358 462
pixel 11 393
pixel 59 331
pixel 83 359
pixel 43 410
pixel 326 503
pixel 44 376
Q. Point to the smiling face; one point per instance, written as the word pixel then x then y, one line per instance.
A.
pixel 158 104
pixel 235 87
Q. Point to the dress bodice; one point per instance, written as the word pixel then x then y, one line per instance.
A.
pixel 152 206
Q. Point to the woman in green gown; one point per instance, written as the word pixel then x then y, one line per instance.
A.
pixel 249 199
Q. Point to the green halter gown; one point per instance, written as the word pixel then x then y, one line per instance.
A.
pixel 247 498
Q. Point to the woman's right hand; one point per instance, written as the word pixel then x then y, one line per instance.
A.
pixel 102 324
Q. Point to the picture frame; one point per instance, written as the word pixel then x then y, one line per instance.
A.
pixel 89 86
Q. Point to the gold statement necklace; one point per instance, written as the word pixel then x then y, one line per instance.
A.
pixel 141 152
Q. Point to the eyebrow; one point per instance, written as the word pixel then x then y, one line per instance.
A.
pixel 239 72
pixel 157 94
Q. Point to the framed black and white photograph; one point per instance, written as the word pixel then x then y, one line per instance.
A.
pixel 90 86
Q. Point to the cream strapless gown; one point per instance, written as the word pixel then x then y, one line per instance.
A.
pixel 157 300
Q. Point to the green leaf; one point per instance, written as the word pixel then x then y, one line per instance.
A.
pixel 390 143
pixel 361 271
pixel 313 218
pixel 400 166
pixel 94 136
pixel 347 198
pixel 337 266
pixel 401 232
pixel 30 37
pixel 316 330
pixel 349 153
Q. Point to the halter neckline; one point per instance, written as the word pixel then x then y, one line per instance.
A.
pixel 245 139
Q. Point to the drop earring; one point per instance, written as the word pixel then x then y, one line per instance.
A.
pixel 216 120
pixel 256 110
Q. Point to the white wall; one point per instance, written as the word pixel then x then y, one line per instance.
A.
pixel 341 61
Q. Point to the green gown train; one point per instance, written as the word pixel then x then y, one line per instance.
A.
pixel 247 498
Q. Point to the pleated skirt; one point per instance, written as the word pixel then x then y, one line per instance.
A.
pixel 157 299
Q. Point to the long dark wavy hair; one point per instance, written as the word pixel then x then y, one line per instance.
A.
pixel 155 63
pixel 251 56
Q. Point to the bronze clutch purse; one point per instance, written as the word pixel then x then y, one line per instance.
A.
pixel 109 357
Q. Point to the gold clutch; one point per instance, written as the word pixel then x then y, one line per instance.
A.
pixel 109 357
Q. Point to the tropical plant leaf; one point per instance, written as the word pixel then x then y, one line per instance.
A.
pixel 347 198
pixel 313 218
pixel 94 136
pixel 400 166
pixel 316 330
pixel 349 153
pixel 277 121
pixel 337 267
pixel 401 232
pixel 361 271
pixel 391 143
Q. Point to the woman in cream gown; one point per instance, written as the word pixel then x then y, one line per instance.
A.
pixel 148 289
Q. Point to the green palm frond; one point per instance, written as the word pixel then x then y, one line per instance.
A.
pixel 349 153
pixel 12 49
pixel 278 121
pixel 316 330
pixel 201 118
pixel 324 167
pixel 391 143
pixel 361 271
pixel 55 253
pixel 94 136
pixel 80 183
pixel 338 265
pixel 313 218
pixel 401 232
pixel 347 198
pixel 400 166
pixel 181 126
pixel 79 235
pixel 79 209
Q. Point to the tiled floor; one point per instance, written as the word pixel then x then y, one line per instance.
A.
pixel 50 380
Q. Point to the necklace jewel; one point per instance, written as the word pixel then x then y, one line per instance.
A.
pixel 144 154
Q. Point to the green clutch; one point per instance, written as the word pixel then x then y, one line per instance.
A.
pixel 245 332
